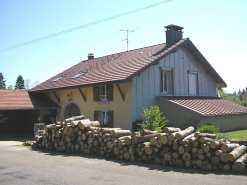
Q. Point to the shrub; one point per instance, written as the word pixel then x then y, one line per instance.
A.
pixel 207 128
pixel 222 136
pixel 153 119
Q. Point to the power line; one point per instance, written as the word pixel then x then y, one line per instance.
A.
pixel 81 27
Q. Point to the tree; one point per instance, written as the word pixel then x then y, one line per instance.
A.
pixel 10 87
pixel 35 83
pixel 19 83
pixel 153 119
pixel 2 82
pixel 27 83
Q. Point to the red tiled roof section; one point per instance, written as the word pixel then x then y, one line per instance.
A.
pixel 208 105
pixel 21 99
pixel 111 68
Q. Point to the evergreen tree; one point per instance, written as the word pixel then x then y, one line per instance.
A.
pixel 239 91
pixel 2 82
pixel 19 83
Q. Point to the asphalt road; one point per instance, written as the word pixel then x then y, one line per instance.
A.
pixel 20 165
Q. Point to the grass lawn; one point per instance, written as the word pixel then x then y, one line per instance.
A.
pixel 240 134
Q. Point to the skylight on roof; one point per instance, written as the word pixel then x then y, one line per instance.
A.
pixel 58 78
pixel 78 75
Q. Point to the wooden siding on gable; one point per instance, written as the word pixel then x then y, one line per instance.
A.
pixel 146 86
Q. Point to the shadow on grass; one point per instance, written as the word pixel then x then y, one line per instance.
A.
pixel 148 166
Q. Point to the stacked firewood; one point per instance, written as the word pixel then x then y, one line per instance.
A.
pixel 174 147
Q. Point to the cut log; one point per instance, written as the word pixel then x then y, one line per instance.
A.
pixel 227 167
pixel 144 132
pixel 215 144
pixel 224 157
pixel 205 139
pixel 84 124
pixel 229 147
pixel 120 133
pixel 128 140
pixel 75 122
pixel 186 156
pixel 171 129
pixel 188 164
pixel 168 156
pixel 182 134
pixel 186 139
pixel 153 141
pixel 108 130
pixel 158 144
pixel 171 136
pixel 215 160
pixel 179 163
pixel 236 153
pixel 74 118
pixel 240 164
pixel 48 128
pixel 208 135
pixel 209 167
pixel 181 150
pixel 175 155
pixel 141 139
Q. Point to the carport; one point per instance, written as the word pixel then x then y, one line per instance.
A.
pixel 19 111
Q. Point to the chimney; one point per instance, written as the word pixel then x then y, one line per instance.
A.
pixel 90 56
pixel 173 34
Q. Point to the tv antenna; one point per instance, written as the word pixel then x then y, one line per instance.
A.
pixel 128 32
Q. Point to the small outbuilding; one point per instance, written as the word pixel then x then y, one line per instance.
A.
pixel 19 111
pixel 184 111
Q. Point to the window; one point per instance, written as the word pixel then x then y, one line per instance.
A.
pixel 103 93
pixel 58 78
pixel 192 83
pixel 105 117
pixel 78 75
pixel 166 80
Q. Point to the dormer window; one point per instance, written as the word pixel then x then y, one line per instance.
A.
pixel 166 80
pixel 78 75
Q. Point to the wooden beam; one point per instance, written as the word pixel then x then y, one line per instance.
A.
pixel 58 99
pixel 82 94
pixel 121 92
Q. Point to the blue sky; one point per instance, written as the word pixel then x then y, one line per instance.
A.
pixel 217 28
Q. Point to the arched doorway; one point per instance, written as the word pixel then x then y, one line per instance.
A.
pixel 71 109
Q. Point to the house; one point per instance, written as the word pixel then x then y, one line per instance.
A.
pixel 22 109
pixel 115 88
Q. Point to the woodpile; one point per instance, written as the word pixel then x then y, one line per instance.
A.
pixel 175 147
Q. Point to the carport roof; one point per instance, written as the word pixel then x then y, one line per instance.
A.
pixel 21 99
pixel 207 106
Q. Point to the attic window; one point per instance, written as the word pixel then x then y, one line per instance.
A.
pixel 78 75
pixel 58 78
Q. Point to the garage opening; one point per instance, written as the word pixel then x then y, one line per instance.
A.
pixel 71 110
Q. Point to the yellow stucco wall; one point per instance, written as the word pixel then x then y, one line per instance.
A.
pixel 122 109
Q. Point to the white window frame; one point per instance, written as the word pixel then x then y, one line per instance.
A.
pixel 193 82
pixel 102 116
pixel 103 93
pixel 167 79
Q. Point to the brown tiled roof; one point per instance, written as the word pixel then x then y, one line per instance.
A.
pixel 116 68
pixel 21 99
pixel 207 106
